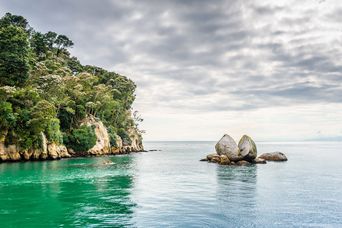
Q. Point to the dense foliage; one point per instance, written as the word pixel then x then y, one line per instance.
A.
pixel 43 89
pixel 81 139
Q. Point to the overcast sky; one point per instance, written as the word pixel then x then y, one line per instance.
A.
pixel 270 69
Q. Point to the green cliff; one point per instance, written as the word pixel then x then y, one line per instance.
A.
pixel 52 106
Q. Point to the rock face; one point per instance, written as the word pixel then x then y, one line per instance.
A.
pixel 9 153
pixel 119 146
pixel 46 152
pixel 136 140
pixel 57 151
pixel 247 147
pixel 51 151
pixel 274 156
pixel 227 146
pixel 43 152
pixel 102 145
pixel 135 146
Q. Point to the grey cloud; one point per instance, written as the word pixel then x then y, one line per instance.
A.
pixel 266 10
pixel 212 55
pixel 302 92
pixel 336 15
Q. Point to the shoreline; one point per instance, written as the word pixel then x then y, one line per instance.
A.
pixel 74 156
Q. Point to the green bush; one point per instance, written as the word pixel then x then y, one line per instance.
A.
pixel 53 132
pixel 126 140
pixel 81 139
pixel 112 136
pixel 7 117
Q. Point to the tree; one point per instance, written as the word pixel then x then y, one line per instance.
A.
pixel 14 56
pixel 81 139
pixel 126 88
pixel 41 116
pixel 7 117
pixel 75 65
pixel 137 120
pixel 17 21
pixel 62 42
pixel 51 88
pixel 39 44
pixel 50 38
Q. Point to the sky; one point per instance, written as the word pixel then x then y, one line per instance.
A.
pixel 269 69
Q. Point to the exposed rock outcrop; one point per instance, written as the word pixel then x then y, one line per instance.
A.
pixel 274 156
pixel 224 160
pixel 43 152
pixel 210 156
pixel 51 151
pixel 245 153
pixel 102 145
pixel 227 146
pixel 57 151
pixel 247 147
pixel 119 145
pixel 136 140
pixel 47 151
pixel 9 153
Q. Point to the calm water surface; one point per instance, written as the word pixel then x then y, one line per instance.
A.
pixel 171 188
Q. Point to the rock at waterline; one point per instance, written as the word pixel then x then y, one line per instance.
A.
pixel 245 153
pixel 247 147
pixel 210 156
pixel 215 158
pixel 242 162
pixel 224 160
pixel 227 146
pixel 259 161
pixel 274 156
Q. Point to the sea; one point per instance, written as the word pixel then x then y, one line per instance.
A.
pixel 170 187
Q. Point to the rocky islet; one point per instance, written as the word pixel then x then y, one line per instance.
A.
pixel 243 153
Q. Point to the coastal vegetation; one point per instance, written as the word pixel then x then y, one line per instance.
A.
pixel 44 90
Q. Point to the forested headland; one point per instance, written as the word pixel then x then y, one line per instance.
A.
pixel 47 97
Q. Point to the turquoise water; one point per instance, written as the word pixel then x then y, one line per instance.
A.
pixel 171 188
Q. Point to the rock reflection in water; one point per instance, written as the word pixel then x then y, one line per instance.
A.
pixel 237 189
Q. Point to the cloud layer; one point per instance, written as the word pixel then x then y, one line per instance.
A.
pixel 221 62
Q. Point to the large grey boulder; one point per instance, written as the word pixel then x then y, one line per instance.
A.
pixel 274 156
pixel 247 147
pixel 227 146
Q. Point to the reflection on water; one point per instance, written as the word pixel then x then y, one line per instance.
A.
pixel 237 189
pixel 77 192
pixel 171 188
